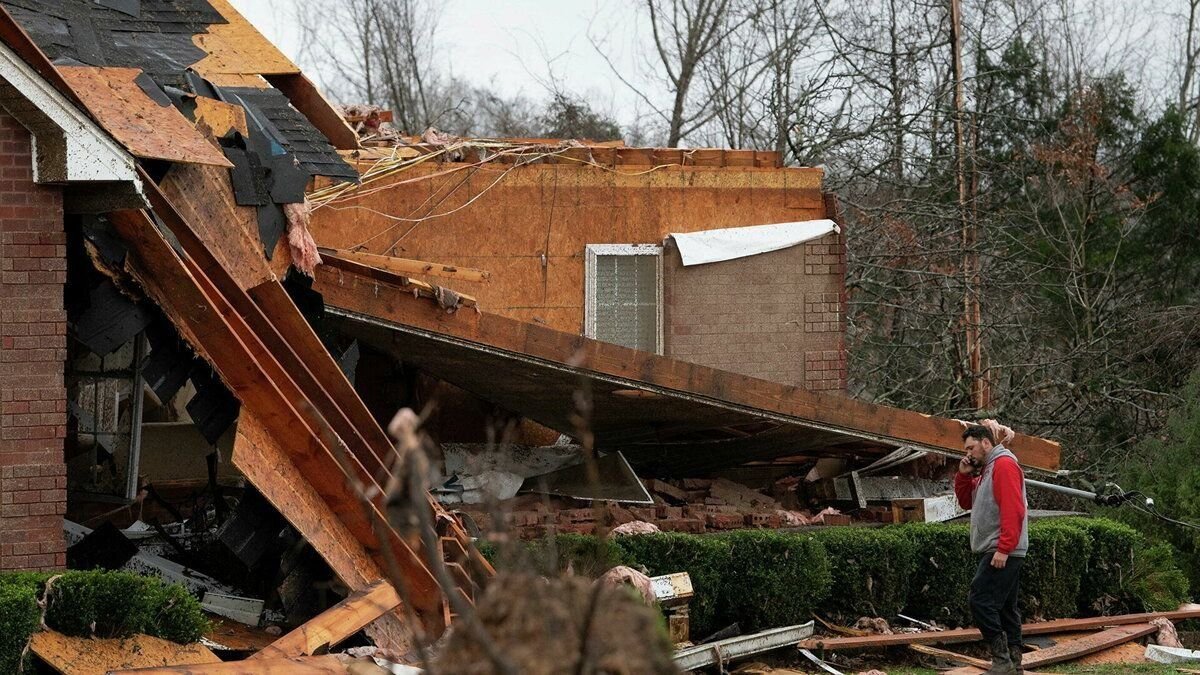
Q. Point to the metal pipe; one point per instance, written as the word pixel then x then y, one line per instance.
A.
pixel 1062 489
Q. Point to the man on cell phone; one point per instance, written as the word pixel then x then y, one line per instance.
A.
pixel 990 483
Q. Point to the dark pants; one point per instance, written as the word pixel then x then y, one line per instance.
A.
pixel 994 599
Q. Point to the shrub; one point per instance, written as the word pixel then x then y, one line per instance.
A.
pixel 1050 582
pixel 776 578
pixel 1158 583
pixel 119 604
pixel 705 559
pixel 583 554
pixel 1107 583
pixel 944 569
pixel 18 619
pixel 871 570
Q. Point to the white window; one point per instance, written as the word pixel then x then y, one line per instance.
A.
pixel 623 303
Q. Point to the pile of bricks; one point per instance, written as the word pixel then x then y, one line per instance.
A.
pixel 690 505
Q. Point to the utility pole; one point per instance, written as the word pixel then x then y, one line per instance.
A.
pixel 972 316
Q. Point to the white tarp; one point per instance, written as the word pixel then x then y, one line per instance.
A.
pixel 697 248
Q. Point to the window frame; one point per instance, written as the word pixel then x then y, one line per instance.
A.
pixel 593 251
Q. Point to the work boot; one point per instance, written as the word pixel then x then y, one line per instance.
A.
pixel 1015 654
pixel 1001 661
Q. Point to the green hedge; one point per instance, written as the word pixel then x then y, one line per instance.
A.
pixel 762 579
pixel 706 559
pixel 776 578
pixel 871 570
pixel 1057 561
pixel 944 569
pixel 18 619
pixel 101 603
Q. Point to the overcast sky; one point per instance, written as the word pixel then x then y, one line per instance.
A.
pixel 508 43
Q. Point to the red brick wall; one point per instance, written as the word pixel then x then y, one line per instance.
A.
pixel 33 326
pixel 778 316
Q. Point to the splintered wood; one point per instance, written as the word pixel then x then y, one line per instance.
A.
pixel 403 266
pixel 336 624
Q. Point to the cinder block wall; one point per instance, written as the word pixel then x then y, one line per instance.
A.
pixel 33 328
pixel 778 316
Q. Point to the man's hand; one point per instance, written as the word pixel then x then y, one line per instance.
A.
pixel 965 466
pixel 999 560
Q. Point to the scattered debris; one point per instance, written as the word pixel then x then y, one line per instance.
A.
pixel 742 646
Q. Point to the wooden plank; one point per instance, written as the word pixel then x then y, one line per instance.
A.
pixel 144 126
pixel 973 635
pixel 306 98
pixel 560 350
pixel 404 266
pixel 1073 649
pixel 204 319
pixel 328 664
pixel 947 655
pixel 202 198
pixel 335 624
pixel 422 288
pixel 93 656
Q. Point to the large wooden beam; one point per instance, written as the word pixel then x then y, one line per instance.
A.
pixel 973 634
pixel 373 297
pixel 276 321
pixel 1074 649
pixel 335 624
pixel 220 335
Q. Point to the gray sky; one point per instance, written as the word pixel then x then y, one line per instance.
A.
pixel 508 43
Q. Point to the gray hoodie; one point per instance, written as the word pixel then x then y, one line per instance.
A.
pixel 985 510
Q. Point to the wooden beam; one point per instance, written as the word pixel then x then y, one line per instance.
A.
pixel 300 665
pixel 947 655
pixel 219 334
pixel 422 288
pixel 271 315
pixel 362 293
pixel 404 266
pixel 335 624
pixel 973 635
pixel 1073 649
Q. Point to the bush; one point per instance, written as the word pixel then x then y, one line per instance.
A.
pixel 776 578
pixel 1158 583
pixel 1050 582
pixel 871 570
pixel 18 619
pixel 119 604
pixel 583 554
pixel 1107 583
pixel 705 559
pixel 944 569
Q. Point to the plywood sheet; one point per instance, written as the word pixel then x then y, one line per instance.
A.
pixel 216 118
pixel 529 225
pixel 147 128
pixel 90 656
pixel 238 47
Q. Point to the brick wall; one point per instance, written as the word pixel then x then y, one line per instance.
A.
pixel 33 403
pixel 778 316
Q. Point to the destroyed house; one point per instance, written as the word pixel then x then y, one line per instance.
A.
pixel 213 291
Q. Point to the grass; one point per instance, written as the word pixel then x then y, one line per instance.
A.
pixel 1108 669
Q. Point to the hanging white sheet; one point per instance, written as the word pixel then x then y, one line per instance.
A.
pixel 697 248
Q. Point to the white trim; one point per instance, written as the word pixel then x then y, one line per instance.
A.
pixel 68 146
pixel 589 277
pixel 730 243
